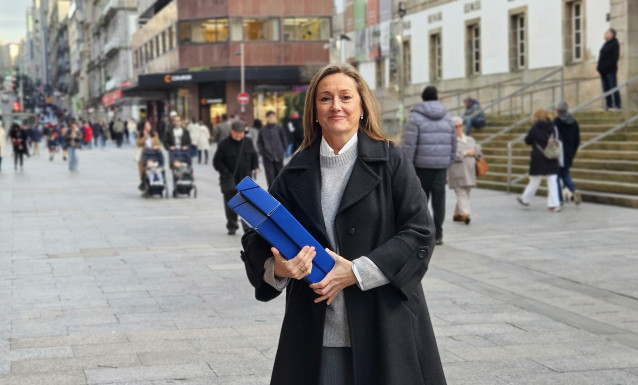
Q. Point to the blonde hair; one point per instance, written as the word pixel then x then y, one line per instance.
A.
pixel 541 115
pixel 370 124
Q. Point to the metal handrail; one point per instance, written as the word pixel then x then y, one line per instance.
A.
pixel 572 111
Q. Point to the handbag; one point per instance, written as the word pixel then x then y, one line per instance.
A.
pixel 554 147
pixel 481 166
pixel 227 181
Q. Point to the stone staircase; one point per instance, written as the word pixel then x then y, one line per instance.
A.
pixel 605 171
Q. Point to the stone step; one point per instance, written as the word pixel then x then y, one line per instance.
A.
pixel 586 153
pixel 615 146
pixel 588 196
pixel 577 173
pixel 502 140
pixel 585 184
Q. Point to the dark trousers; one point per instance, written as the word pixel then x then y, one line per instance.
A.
pixel 609 81
pixel 272 169
pixel 566 179
pixel 199 156
pixel 433 183
pixel 18 157
pixel 231 216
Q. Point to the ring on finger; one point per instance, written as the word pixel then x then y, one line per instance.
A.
pixel 303 269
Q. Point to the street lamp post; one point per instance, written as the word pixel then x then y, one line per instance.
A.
pixel 241 69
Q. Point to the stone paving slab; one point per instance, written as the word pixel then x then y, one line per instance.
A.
pixel 99 286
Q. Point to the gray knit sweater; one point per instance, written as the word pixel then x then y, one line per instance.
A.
pixel 335 173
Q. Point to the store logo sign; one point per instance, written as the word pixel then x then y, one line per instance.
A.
pixel 168 78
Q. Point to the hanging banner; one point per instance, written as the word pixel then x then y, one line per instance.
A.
pixel 359 15
pixel 361 46
pixel 349 16
pixel 385 10
pixel 373 41
pixel 384 38
pixel 372 16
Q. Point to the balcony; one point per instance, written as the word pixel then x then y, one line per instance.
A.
pixel 112 47
pixel 110 8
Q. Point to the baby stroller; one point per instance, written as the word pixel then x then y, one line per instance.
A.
pixel 154 174
pixel 183 175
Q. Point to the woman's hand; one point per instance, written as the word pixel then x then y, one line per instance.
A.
pixel 470 153
pixel 298 267
pixel 340 277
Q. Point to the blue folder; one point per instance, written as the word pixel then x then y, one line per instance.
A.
pixel 276 225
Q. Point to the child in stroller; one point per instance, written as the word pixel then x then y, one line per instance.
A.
pixel 154 175
pixel 183 175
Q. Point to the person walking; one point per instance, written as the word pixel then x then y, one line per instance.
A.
pixel 234 159
pixel 608 68
pixel 178 137
pixel 145 140
pixel 36 138
pixel 118 131
pixel 73 140
pixel 272 147
pixel 222 131
pixel 461 175
pixel 429 143
pixel 351 188
pixel 540 166
pixel 3 142
pixel 203 142
pixel 569 132
pixel 473 115
pixel 193 131
pixel 19 141
pixel 88 134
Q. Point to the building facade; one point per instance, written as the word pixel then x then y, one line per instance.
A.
pixel 187 55
pixel 59 59
pixel 485 48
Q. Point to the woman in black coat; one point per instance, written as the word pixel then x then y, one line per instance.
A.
pixel 367 321
pixel 19 141
pixel 540 166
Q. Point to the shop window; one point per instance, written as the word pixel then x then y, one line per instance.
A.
pixel 203 31
pixel 306 28
pixel 255 29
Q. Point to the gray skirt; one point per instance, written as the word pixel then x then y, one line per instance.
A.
pixel 336 366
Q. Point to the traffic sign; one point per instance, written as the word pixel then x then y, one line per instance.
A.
pixel 243 98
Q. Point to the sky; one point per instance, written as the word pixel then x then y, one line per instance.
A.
pixel 13 25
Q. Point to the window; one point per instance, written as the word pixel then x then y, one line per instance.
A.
pixel 151 50
pixel 203 31
pixel 380 73
pixel 518 43
pixel 164 48
pixel 577 31
pixel 157 47
pixel 407 62
pixel 255 29
pixel 306 29
pixel 171 38
pixel 436 57
pixel 473 52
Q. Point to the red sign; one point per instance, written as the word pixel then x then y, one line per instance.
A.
pixel 111 97
pixel 243 98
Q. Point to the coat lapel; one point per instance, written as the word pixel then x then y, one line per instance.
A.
pixel 363 179
pixel 306 189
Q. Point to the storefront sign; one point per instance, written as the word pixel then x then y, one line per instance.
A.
pixel 111 97
pixel 173 78
pixel 205 101
pixel 243 98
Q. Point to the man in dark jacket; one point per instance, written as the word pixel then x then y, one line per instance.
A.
pixel 429 142
pixel 178 137
pixel 473 115
pixel 235 148
pixel 569 132
pixel 608 67
pixel 272 147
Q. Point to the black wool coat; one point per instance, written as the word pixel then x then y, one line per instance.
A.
pixel 608 57
pixel 382 215
pixel 537 137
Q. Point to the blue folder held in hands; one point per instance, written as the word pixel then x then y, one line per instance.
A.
pixel 276 225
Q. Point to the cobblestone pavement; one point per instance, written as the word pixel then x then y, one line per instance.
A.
pixel 100 286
